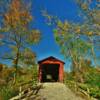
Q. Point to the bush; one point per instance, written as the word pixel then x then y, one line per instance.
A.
pixel 92 78
pixel 95 92
pixel 6 92
pixel 27 76
pixel 91 82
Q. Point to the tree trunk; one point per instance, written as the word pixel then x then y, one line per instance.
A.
pixel 76 68
pixel 16 65
pixel 74 62
pixel 93 52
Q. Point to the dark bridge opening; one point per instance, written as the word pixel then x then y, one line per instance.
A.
pixel 50 72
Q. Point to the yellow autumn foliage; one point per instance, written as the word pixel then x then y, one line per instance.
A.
pixel 66 26
pixel 77 30
pixel 89 33
pixel 17 15
pixel 85 6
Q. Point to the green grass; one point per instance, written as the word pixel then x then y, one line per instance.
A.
pixel 6 92
pixel 94 91
pixel 9 90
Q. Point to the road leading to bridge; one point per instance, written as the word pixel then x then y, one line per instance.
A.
pixel 57 91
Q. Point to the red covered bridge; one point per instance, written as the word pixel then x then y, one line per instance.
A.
pixel 51 69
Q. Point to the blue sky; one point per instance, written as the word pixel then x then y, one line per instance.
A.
pixel 65 10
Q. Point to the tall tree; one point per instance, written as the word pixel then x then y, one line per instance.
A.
pixel 89 29
pixel 90 9
pixel 71 39
pixel 18 34
pixel 72 43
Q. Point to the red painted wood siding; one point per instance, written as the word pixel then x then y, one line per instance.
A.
pixel 52 61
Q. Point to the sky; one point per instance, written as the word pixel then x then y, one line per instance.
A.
pixel 64 10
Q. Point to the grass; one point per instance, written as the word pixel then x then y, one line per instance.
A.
pixel 6 92
pixel 92 91
pixel 9 90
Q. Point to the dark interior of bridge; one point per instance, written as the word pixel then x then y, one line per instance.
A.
pixel 50 73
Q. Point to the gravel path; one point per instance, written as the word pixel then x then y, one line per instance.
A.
pixel 57 91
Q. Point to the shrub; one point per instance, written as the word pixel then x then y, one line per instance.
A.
pixel 6 92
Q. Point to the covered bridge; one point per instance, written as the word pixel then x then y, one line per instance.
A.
pixel 51 69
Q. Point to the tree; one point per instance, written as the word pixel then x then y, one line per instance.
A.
pixel 85 34
pixel 28 57
pixel 18 34
pixel 70 38
pixel 90 9
pixel 72 44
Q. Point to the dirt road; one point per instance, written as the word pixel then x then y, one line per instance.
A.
pixel 57 91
